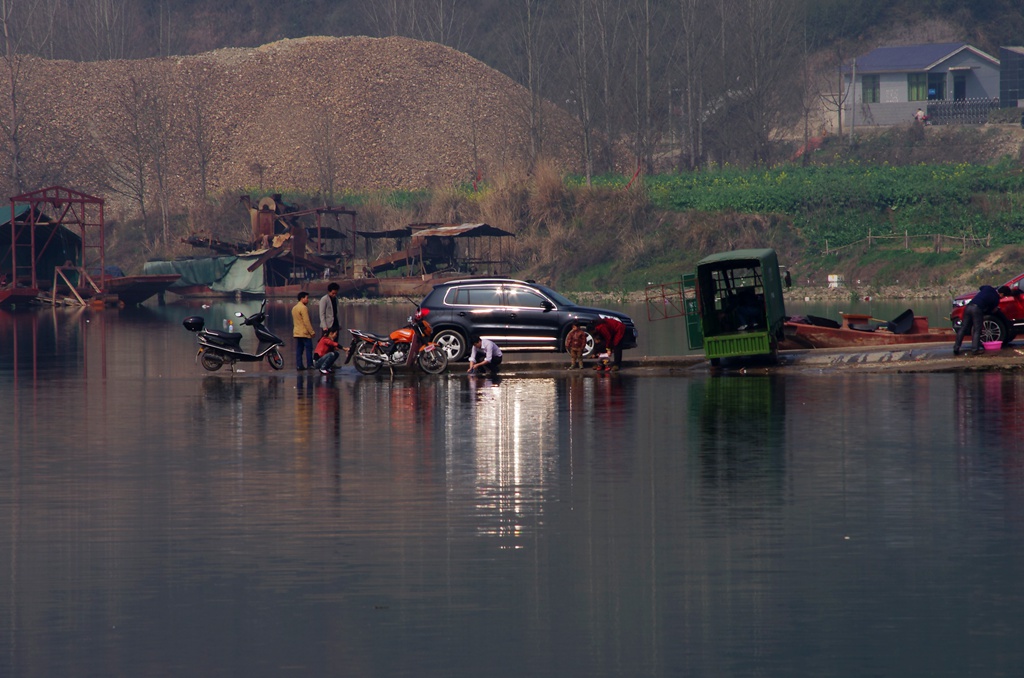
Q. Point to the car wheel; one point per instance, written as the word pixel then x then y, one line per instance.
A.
pixel 452 343
pixel 993 329
pixel 590 347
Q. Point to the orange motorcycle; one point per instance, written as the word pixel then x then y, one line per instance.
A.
pixel 405 347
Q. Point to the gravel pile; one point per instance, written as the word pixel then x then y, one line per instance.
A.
pixel 386 113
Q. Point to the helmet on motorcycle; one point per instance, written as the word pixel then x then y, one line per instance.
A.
pixel 422 313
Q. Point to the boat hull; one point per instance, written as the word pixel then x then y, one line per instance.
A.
pixel 803 336
pixel 135 289
pixel 11 297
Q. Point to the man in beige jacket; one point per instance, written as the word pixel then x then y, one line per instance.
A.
pixel 302 330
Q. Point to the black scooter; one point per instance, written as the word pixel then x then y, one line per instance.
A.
pixel 217 348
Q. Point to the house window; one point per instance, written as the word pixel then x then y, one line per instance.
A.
pixel 936 86
pixel 917 87
pixel 870 89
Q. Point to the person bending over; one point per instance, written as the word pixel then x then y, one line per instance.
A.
pixel 609 334
pixel 985 302
pixel 485 356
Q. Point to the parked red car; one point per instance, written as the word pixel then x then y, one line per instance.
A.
pixel 996 328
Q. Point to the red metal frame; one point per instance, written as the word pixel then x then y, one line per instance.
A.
pixel 64 207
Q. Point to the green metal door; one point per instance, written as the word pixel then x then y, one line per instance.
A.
pixel 694 332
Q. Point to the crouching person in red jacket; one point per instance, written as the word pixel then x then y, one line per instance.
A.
pixel 609 334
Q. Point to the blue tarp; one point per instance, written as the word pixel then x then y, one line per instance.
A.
pixel 221 274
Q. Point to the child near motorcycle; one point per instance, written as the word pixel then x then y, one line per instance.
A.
pixel 328 350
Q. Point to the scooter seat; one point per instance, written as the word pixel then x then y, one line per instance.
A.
pixel 225 336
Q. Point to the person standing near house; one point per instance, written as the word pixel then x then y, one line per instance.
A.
pixel 328 307
pixel 920 117
pixel 302 332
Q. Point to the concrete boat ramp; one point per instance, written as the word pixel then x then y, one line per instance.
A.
pixel 883 359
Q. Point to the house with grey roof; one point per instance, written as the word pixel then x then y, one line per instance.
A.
pixel 1011 77
pixel 951 82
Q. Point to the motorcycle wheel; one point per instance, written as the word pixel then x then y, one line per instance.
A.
pixel 275 359
pixel 211 361
pixel 365 366
pixel 433 362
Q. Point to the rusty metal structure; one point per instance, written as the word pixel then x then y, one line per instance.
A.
pixel 37 218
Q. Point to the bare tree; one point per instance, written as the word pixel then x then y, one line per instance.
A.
pixel 128 150
pixel 391 17
pixel 608 23
pixel 835 93
pixel 647 21
pixel 157 120
pixel 98 29
pixel 165 25
pixel 441 21
pixel 576 46
pixel 14 16
pixel 324 144
pixel 444 21
pixel 526 36
pixel 766 89
pixel 696 53
pixel 201 144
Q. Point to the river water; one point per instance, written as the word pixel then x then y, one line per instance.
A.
pixel 159 520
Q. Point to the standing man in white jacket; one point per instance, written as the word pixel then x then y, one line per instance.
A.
pixel 328 306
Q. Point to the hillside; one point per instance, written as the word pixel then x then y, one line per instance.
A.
pixel 379 113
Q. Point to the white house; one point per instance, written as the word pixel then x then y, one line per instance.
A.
pixel 945 80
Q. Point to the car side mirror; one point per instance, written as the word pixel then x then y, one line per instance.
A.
pixel 547 305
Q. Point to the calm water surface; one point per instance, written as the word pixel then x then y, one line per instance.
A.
pixel 159 520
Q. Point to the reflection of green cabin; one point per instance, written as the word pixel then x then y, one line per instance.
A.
pixel 750 457
pixel 739 309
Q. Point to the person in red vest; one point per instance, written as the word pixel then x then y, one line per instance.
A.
pixel 609 333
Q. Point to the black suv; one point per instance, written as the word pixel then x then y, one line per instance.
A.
pixel 514 314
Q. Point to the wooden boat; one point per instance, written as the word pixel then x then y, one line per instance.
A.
pixel 135 289
pixel 861 330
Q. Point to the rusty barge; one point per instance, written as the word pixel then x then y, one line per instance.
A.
pixel 293 249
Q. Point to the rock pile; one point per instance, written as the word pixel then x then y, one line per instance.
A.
pixel 374 113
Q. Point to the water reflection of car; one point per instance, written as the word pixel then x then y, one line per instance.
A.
pixel 516 314
pixel 994 327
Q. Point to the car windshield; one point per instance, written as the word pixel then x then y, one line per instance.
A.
pixel 555 296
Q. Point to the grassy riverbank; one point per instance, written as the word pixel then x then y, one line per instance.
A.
pixel 909 213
